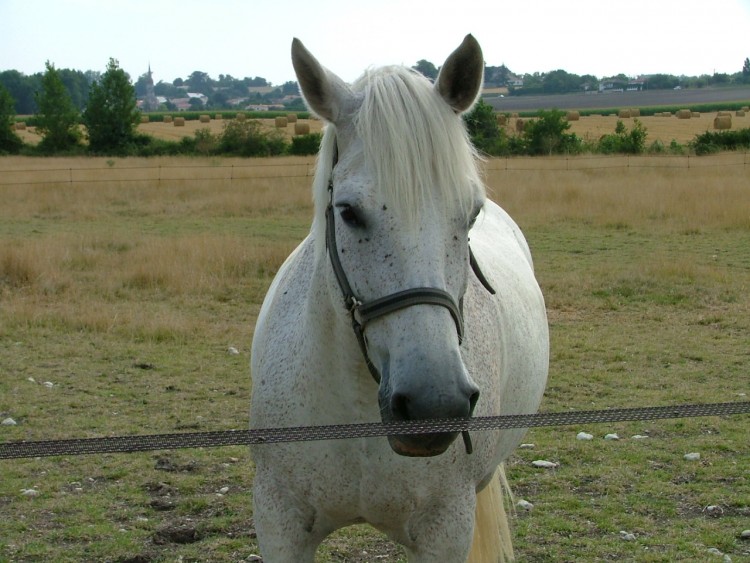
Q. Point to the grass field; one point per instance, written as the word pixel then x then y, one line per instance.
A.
pixel 120 300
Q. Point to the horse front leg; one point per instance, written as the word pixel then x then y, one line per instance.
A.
pixel 285 524
pixel 443 531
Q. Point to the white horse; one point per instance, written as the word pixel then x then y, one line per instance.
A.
pixel 397 198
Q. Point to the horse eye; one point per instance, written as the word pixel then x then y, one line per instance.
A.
pixel 349 215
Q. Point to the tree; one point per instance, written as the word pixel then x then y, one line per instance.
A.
pixel 10 142
pixel 547 135
pixel 57 120
pixel 111 115
pixel 746 70
pixel 426 68
pixel 485 133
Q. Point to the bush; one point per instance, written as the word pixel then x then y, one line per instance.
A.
pixel 306 144
pixel 547 135
pixel 10 142
pixel 710 142
pixel 485 133
pixel 624 141
pixel 247 138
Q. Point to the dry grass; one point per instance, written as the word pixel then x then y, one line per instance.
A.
pixel 644 268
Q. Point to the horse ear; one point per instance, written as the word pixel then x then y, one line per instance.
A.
pixel 323 91
pixel 461 76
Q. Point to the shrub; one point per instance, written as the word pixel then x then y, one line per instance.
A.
pixel 485 133
pixel 306 144
pixel 547 134
pixel 247 138
pixel 710 141
pixel 10 142
pixel 624 141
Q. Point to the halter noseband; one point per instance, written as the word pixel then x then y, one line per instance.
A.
pixel 363 312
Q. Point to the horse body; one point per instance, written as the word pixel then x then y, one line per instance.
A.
pixel 308 368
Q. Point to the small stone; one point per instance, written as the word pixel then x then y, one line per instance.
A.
pixel 31 379
pixel 9 422
pixel 611 437
pixel 48 384
pixel 714 510
pixel 543 463
pixel 715 551
pixel 745 535
pixel 224 490
pixel 233 351
pixel 526 446
pixel 29 492
pixel 639 437
pixel 692 456
pixel 584 436
pixel 627 536
pixel 525 505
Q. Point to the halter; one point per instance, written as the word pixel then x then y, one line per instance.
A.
pixel 362 313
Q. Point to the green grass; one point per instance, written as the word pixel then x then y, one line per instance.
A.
pixel 645 308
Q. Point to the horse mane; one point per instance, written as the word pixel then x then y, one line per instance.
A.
pixel 418 151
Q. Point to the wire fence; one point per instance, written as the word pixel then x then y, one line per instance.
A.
pixel 159 174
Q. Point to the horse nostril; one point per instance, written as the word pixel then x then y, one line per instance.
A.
pixel 473 402
pixel 400 406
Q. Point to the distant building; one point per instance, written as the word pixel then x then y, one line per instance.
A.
pixel 150 101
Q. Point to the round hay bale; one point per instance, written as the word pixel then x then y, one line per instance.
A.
pixel 281 122
pixel 684 114
pixel 218 116
pixel 520 125
pixel 635 112
pixel 240 116
pixel 204 118
pixel 301 128
pixel 573 116
pixel 745 108
pixel 502 119
pixel 623 113
pixel 144 118
pixel 514 115
pixel 723 122
pixel 167 119
pixel 291 118
pixel 740 113
pixel 696 114
pixel 179 122
pixel 724 114
pixel 20 125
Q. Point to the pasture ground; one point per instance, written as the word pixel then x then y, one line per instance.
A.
pixel 125 294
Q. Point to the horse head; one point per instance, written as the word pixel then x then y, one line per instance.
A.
pixel 397 191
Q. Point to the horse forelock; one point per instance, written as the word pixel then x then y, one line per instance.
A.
pixel 416 148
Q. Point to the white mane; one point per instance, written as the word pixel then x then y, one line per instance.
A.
pixel 416 147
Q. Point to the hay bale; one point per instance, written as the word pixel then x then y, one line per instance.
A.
pixel 502 119
pixel 724 114
pixel 635 112
pixel 218 116
pixel 291 118
pixel 167 119
pixel 745 108
pixel 695 114
pixel 623 113
pixel 573 116
pixel 684 114
pixel 179 122
pixel 301 128
pixel 514 115
pixel 240 116
pixel 20 126
pixel 740 113
pixel 204 118
pixel 723 122
pixel 281 122
pixel 144 118
pixel 520 125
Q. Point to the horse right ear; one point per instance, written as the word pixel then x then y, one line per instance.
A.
pixel 323 91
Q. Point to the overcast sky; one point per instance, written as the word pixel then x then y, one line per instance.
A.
pixel 252 38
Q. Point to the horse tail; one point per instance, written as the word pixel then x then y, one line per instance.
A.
pixel 492 541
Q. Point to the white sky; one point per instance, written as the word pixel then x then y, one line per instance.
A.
pixel 252 38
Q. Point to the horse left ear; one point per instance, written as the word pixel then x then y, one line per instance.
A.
pixel 324 92
pixel 461 76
